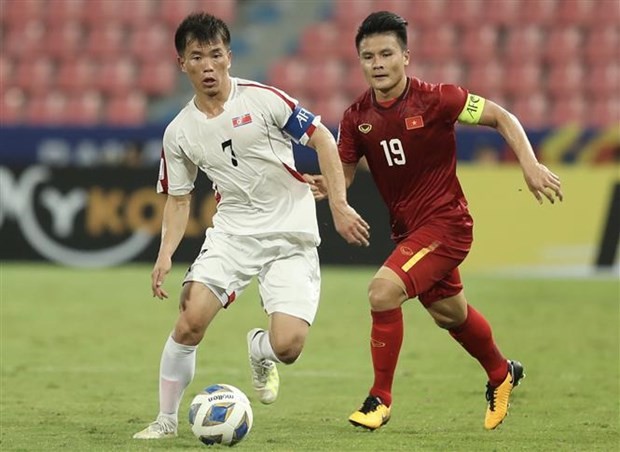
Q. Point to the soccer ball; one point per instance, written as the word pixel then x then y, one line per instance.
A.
pixel 221 414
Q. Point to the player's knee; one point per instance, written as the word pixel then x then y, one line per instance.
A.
pixel 448 319
pixel 189 331
pixel 288 349
pixel 383 296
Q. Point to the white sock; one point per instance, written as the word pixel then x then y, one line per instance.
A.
pixel 176 371
pixel 260 347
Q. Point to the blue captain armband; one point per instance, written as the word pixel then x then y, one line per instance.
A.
pixel 300 125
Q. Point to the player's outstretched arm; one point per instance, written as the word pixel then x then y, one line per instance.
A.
pixel 539 179
pixel 347 221
pixel 318 185
pixel 176 215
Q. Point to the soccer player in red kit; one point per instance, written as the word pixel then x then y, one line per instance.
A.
pixel 405 129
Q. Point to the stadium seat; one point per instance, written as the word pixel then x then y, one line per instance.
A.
pixel 401 7
pixel 319 41
pixel 604 112
pixel 543 15
pixel 24 39
pixel 426 13
pixel 355 83
pixel 602 44
pixel 35 76
pixel 65 41
pixel 63 11
pixel 106 41
pixel 604 80
pixel 575 12
pixel 563 44
pixel 450 72
pixel 84 108
pixel 100 12
pixel 48 108
pixel 523 44
pixel 606 12
pixel 501 12
pixel 565 79
pixel 568 110
pixel 325 79
pixel 158 78
pixel 172 12
pixel 289 75
pixel 486 79
pixel 126 110
pixel 331 109
pixel 351 14
pixel 12 109
pixel 7 71
pixel 224 9
pixel 77 75
pixel 521 79
pixel 151 42
pixel 464 13
pixel 479 43
pixel 531 110
pixel 21 11
pixel 116 77
pixel 436 44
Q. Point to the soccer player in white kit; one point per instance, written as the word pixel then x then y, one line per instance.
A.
pixel 239 133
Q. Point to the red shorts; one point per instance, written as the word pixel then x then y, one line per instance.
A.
pixel 427 261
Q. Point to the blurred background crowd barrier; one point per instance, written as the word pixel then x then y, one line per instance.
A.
pixel 88 86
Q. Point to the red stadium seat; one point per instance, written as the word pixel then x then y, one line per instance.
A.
pixel 479 43
pixel 172 12
pixel 521 79
pixel 542 15
pixel 523 44
pixel 12 109
pixel 355 83
pixel 319 41
pixel 48 108
pixel 451 72
pixel 117 77
pixel 18 12
pixel 486 79
pixel 77 76
pixel 351 14
pixel 106 41
pixel 25 39
pixel 575 12
pixel 464 13
pixel 63 11
pixel 437 44
pixel 158 78
pixel 36 76
pixel 401 7
pixel 126 110
pixel 65 41
pixel 331 109
pixel 501 12
pixel 565 79
pixel 426 13
pixel 289 75
pixel 602 44
pixel 531 110
pixel 605 112
pixel 568 110
pixel 151 42
pixel 563 44
pixel 84 108
pixel 604 80
pixel 100 12
pixel 224 9
pixel 325 79
pixel 7 71
pixel 606 12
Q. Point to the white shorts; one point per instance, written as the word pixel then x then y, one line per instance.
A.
pixel 289 278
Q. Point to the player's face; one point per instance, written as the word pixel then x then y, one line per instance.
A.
pixel 383 62
pixel 206 65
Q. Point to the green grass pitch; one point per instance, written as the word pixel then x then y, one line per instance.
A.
pixel 80 355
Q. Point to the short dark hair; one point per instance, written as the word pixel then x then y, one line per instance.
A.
pixel 202 27
pixel 383 22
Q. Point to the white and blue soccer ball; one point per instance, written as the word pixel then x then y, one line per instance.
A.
pixel 221 414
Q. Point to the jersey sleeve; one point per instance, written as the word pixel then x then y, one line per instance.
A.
pixel 177 172
pixel 452 99
pixel 290 117
pixel 349 152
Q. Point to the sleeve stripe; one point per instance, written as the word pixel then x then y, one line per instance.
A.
pixel 283 96
pixel 162 183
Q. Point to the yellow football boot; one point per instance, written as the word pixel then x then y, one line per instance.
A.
pixel 498 396
pixel 372 415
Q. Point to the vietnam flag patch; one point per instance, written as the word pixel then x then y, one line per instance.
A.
pixel 414 122
pixel 242 120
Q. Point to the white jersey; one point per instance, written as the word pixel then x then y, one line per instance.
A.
pixel 247 153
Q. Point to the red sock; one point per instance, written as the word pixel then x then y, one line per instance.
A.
pixel 475 336
pixel 386 338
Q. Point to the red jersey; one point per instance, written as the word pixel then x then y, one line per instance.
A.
pixel 410 147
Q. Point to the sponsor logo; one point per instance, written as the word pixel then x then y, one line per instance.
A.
pixel 365 128
pixel 414 122
pixel 376 344
pixel 406 251
pixel 242 120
